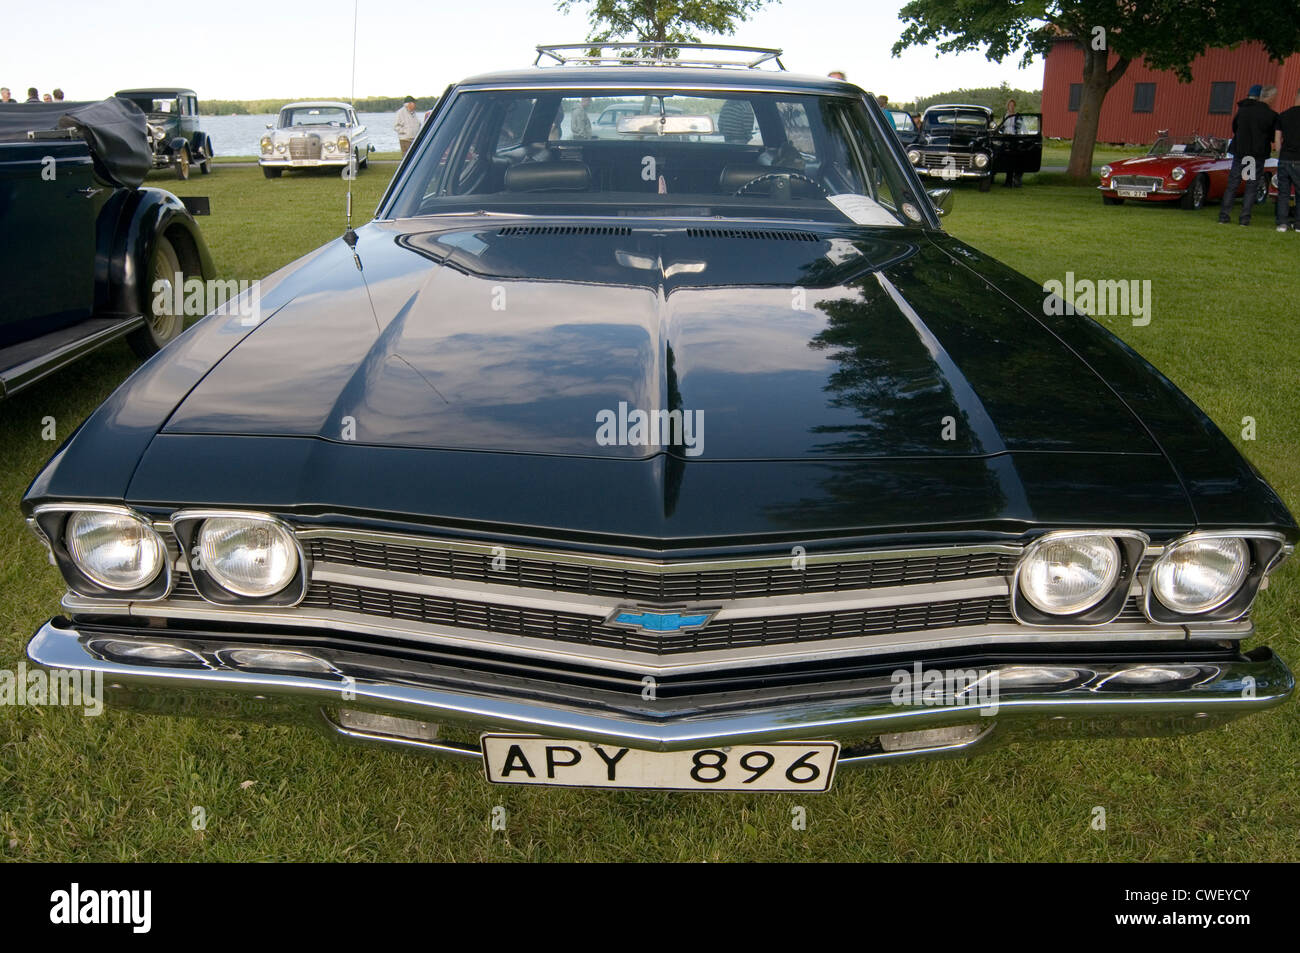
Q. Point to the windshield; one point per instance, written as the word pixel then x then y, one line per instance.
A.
pixel 956 117
pixel 657 152
pixel 313 116
pixel 1190 145
pixel 154 103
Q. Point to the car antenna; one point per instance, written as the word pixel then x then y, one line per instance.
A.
pixel 350 169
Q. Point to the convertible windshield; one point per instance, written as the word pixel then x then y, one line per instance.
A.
pixel 313 116
pixel 681 153
pixel 1190 145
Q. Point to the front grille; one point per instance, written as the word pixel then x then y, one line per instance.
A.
pixel 669 587
pixel 304 147
pixel 1137 181
pixel 590 630
pixel 961 161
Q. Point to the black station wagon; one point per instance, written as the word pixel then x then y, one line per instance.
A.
pixel 694 456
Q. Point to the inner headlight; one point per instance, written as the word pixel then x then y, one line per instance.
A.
pixel 248 557
pixel 343 143
pixel 267 145
pixel 329 147
pixel 1178 173
pixel 913 156
pixel 159 133
pixel 1105 172
pixel 1067 575
pixel 981 160
pixel 280 148
pixel 1198 575
pixel 114 550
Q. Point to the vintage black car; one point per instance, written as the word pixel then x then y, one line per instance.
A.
pixel 904 126
pixel 679 460
pixel 175 131
pixel 85 243
pixel 966 142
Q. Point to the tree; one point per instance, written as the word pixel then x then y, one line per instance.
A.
pixel 662 21
pixel 1167 34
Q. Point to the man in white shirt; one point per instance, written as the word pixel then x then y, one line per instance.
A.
pixel 407 124
pixel 579 121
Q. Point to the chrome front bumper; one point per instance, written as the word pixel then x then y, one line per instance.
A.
pixel 1047 698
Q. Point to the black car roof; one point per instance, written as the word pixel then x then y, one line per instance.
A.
pixel 641 76
pixel 169 90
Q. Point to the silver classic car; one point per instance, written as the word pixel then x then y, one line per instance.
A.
pixel 314 135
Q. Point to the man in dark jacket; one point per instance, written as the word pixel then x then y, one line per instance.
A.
pixel 1288 163
pixel 1252 141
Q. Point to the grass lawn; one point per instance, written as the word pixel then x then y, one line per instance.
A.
pixel 123 786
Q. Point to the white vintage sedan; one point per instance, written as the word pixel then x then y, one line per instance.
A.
pixel 312 135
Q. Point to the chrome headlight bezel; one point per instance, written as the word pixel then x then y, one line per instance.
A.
pixel 51 521
pixel 186 525
pixel 1177 173
pixel 1265 550
pixel 1105 172
pixel 914 156
pixel 1130 544
pixel 980 159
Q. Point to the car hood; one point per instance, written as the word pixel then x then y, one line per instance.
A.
pixel 766 344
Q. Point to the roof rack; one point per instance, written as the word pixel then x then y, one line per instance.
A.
pixel 660 54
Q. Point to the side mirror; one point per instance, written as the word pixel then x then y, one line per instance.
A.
pixel 372 148
pixel 941 199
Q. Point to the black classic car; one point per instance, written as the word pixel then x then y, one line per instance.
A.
pixel 85 244
pixel 966 142
pixel 663 461
pixel 175 134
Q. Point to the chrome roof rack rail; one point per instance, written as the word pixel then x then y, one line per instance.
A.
pixel 654 54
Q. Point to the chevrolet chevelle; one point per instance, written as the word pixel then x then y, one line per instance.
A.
pixel 696 457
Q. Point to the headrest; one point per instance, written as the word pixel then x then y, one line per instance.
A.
pixel 548 177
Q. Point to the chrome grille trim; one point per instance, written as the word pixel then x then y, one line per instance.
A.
pixel 1138 181
pixel 304 147
pixel 639 663
pixel 646 580
pixel 961 161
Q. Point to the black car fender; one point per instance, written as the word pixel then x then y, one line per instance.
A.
pixel 151 213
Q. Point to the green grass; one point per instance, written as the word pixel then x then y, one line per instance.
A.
pixel 122 786
pixel 1056 152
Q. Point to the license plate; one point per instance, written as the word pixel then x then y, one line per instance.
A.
pixel 305 161
pixel 777 766
pixel 1132 193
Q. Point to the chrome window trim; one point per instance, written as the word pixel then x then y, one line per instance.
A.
pixel 118 509
pixel 1198 619
pixel 603 657
pixel 1133 582
pixel 199 515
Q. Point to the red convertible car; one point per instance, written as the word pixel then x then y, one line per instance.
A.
pixel 1192 171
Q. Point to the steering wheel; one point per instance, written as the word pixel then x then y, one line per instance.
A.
pixel 773 175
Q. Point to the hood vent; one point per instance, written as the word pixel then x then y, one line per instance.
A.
pixel 520 231
pixel 767 234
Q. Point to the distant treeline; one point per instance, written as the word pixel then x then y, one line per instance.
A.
pixel 995 97
pixel 262 107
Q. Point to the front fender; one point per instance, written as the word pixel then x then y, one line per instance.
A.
pixel 151 212
pixel 178 145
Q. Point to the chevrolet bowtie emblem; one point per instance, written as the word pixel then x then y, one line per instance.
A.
pixel 659 620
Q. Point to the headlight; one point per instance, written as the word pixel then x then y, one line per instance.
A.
pixel 981 160
pixel 1069 574
pixel 343 143
pixel 267 145
pixel 158 132
pixel 280 148
pixel 1105 172
pixel 1178 173
pixel 114 550
pixel 913 156
pixel 1198 575
pixel 329 147
pixel 248 557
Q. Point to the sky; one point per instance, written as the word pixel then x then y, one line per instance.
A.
pixel 260 49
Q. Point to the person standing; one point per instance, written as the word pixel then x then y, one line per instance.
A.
pixel 1288 164
pixel 32 95
pixel 836 74
pixel 5 95
pixel 58 95
pixel 1252 140
pixel 736 120
pixel 580 122
pixel 1013 178
pixel 407 124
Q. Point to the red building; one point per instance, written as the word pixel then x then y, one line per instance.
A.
pixel 1146 100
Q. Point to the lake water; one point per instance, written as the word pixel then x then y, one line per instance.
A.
pixel 242 135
